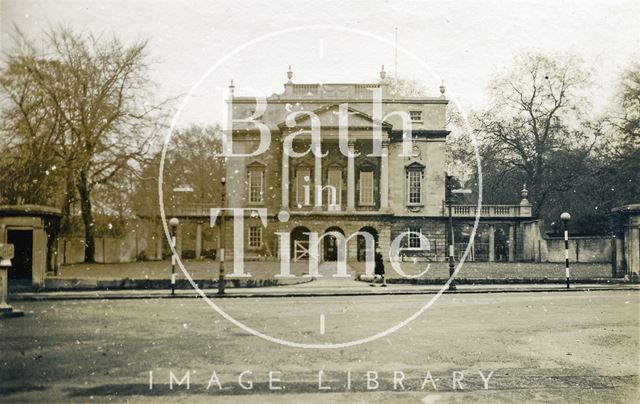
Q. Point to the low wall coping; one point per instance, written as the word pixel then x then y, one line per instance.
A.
pixel 29 210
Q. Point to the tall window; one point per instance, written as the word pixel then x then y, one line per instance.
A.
pixel 414 184
pixel 255 236
pixel 256 186
pixel 334 179
pixel 303 178
pixel 366 188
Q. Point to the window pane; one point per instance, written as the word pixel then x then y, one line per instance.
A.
pixel 256 182
pixel 255 236
pixel 414 237
pixel 414 187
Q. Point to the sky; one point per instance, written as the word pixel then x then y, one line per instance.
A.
pixel 465 43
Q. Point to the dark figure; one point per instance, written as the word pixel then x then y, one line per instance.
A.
pixel 379 269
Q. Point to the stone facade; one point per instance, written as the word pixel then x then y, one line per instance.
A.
pixel 626 232
pixel 372 190
pixel 31 229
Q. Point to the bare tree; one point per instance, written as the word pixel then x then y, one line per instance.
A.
pixel 534 130
pixel 626 119
pixel 30 129
pixel 100 93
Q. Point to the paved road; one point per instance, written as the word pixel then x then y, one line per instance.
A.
pixel 574 347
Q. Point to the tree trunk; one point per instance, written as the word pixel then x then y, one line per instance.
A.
pixel 87 218
pixel 69 196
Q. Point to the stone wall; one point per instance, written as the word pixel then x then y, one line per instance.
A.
pixel 109 250
pixel 431 154
pixel 536 247
pixel 581 249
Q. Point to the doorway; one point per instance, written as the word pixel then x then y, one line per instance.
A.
pixel 300 243
pixel 331 244
pixel 21 264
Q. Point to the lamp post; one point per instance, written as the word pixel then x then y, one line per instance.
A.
pixel 173 222
pixel 449 194
pixel 221 280
pixel 449 197
pixel 565 217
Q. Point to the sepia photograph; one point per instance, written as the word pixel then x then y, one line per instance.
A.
pixel 383 201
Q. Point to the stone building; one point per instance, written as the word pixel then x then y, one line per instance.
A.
pixel 383 195
pixel 626 230
pixel 385 179
pixel 32 231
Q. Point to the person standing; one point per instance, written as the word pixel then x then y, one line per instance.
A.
pixel 379 268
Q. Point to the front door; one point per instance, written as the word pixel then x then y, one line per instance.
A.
pixel 331 249
pixel 22 241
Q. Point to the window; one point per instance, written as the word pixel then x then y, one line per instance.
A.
pixel 414 187
pixel 366 188
pixel 416 116
pixel 334 179
pixel 255 237
pixel 303 178
pixel 256 186
pixel 414 239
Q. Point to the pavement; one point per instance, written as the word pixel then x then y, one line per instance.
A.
pixel 318 287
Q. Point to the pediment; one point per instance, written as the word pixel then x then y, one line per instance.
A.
pixel 256 165
pixel 329 116
pixel 415 166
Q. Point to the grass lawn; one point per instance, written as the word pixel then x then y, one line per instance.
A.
pixel 267 270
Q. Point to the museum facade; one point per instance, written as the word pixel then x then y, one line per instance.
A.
pixel 349 160
pixel 387 177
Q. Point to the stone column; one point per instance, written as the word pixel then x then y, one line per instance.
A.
pixel 384 241
pixel 39 255
pixel 512 242
pixel 351 178
pixel 317 180
pixel 492 243
pixel 633 244
pixel 4 277
pixel 384 176
pixel 284 185
pixel 198 240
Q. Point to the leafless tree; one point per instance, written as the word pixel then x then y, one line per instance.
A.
pixel 99 91
pixel 534 129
